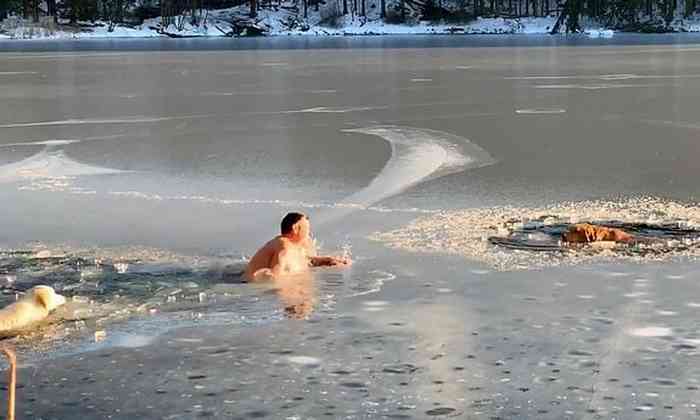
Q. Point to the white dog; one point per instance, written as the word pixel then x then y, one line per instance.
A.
pixel 34 306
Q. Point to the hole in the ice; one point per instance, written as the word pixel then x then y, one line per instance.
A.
pixel 442 411
pixel 665 382
pixel 353 385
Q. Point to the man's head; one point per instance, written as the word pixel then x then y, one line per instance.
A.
pixel 295 226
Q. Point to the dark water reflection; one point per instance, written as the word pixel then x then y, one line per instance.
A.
pixel 346 42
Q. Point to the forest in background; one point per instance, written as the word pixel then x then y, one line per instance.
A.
pixel 634 15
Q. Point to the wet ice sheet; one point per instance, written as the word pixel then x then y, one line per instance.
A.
pixel 577 342
pixel 549 144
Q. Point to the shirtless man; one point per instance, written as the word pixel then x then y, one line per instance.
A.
pixel 291 252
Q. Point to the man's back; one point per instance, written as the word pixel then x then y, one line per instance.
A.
pixel 279 256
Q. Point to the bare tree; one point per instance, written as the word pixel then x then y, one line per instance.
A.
pixel 31 9
pixel 51 9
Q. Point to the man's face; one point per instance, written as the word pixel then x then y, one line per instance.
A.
pixel 303 228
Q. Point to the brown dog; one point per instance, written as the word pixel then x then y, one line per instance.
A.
pixel 586 232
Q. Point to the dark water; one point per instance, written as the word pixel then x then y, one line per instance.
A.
pixel 353 42
pixel 648 238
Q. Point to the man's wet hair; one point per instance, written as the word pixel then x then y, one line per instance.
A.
pixel 289 221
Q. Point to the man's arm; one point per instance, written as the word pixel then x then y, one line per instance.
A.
pixel 321 261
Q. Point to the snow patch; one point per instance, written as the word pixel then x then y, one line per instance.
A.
pixel 16 73
pixel 307 361
pixel 331 110
pixel 540 111
pixel 416 155
pixel 51 165
pixel 650 332
pixel 123 120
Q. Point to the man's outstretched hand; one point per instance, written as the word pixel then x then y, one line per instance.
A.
pixel 340 261
pixel 330 261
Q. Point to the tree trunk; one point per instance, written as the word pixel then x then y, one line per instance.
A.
pixel 253 8
pixel 382 5
pixel 573 10
pixel 51 9
pixel 163 14
pixel 193 12
pixel 345 7
pixel 72 15
pixel 560 19
pixel 364 8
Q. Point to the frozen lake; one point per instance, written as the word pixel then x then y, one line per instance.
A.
pixel 179 157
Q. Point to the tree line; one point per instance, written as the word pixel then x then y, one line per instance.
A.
pixel 610 12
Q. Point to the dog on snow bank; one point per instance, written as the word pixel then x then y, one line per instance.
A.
pixel 33 307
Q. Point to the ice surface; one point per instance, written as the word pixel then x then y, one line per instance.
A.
pixel 416 155
pixel 50 164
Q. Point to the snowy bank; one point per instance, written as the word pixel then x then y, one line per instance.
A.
pixel 287 21
pixel 276 24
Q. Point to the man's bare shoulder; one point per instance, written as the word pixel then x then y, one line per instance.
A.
pixel 279 243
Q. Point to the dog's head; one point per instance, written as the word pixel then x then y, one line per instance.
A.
pixel 47 297
pixel 585 232
pixel 576 234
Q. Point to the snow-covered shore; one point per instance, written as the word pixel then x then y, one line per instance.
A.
pixel 282 22
pixel 274 25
